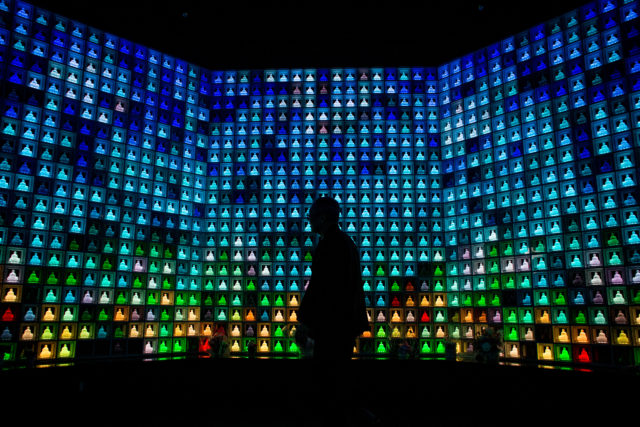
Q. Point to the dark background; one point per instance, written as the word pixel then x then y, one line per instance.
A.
pixel 232 34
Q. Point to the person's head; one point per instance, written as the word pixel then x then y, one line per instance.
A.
pixel 324 213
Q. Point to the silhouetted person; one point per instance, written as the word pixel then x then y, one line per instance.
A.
pixel 333 307
pixel 333 313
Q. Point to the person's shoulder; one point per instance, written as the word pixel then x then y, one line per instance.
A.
pixel 347 240
pixel 344 235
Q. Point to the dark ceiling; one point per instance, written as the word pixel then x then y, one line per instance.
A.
pixel 296 34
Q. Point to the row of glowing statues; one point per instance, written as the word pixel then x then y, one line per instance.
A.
pixel 599 319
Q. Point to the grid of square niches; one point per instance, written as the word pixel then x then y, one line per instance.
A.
pixel 146 201
pixel 540 204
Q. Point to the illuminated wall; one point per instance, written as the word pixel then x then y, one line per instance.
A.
pixel 145 201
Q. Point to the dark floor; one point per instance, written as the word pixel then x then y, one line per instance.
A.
pixel 242 392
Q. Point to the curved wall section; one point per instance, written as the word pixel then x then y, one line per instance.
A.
pixel 146 201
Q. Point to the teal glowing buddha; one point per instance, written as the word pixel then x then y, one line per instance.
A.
pixel 543 300
pixel 561 317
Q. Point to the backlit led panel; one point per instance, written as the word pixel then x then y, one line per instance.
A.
pixel 146 201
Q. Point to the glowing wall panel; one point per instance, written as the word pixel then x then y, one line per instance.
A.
pixel 539 162
pixel 145 201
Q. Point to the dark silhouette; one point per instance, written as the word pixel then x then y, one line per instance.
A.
pixel 332 315
pixel 333 307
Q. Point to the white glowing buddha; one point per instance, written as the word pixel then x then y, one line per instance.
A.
pixel 509 266
pixel 12 277
pixel 104 298
pixel 135 299
pixel 27 334
pixel 617 278
pixel 14 258
pixel 514 352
